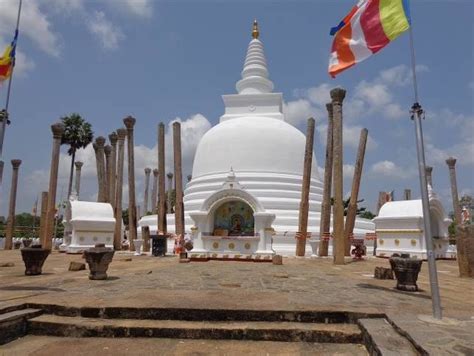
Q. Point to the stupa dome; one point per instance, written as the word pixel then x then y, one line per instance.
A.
pixel 251 144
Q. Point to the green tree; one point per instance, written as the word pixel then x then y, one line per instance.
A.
pixel 77 134
pixel 125 218
pixel 346 203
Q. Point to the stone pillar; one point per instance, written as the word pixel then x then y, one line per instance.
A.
pixel 382 200
pixel 147 187
pixel 429 175
pixel 146 238
pixel 451 162
pixel 11 210
pixel 108 170
pixel 113 168
pixel 100 164
pixel 78 165
pixel 161 180
pixel 170 193
pixel 352 209
pixel 407 194
pixel 337 96
pixel 325 221
pixel 178 183
pixel 154 191
pixel 46 239
pixel 132 205
pixel 302 233
pixel 44 213
pixel 121 134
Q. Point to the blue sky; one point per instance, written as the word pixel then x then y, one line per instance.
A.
pixel 162 60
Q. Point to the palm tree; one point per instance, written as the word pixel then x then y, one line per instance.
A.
pixel 77 134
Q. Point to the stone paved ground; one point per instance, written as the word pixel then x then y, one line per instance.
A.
pixel 300 284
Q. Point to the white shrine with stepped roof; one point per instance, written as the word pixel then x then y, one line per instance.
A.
pixel 264 154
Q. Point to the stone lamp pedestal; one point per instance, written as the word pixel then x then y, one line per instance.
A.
pixel 314 247
pixel 34 258
pixel 406 271
pixel 98 258
pixel 138 247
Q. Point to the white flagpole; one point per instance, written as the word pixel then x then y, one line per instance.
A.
pixel 417 114
pixel 4 113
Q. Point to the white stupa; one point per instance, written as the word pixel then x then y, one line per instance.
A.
pixel 264 153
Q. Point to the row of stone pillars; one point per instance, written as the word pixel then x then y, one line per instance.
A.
pixel 333 177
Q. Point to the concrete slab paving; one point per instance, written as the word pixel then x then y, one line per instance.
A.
pixel 299 284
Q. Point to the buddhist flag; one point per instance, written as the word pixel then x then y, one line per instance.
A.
pixel 7 60
pixel 369 27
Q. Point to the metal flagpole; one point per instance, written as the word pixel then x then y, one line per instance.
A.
pixel 417 114
pixel 4 113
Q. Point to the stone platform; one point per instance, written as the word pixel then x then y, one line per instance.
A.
pixel 298 285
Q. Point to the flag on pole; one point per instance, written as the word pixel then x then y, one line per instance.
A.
pixel 7 60
pixel 369 27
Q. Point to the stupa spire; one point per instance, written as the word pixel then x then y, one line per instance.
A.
pixel 255 32
pixel 255 73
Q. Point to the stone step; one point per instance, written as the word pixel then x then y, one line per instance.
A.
pixel 381 338
pixel 53 325
pixel 13 323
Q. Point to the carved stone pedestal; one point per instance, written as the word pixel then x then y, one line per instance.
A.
pixel 34 258
pixel 98 258
pixel 406 271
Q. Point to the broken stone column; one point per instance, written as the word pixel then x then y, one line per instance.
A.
pixel 121 134
pixel 178 182
pixel 46 239
pixel 451 162
pixel 162 228
pixel 465 250
pixel 132 205
pixel 337 96
pixel 11 210
pixel 352 209
pixel 154 191
pixel 108 169
pixel 429 175
pixel 170 193
pixel 302 233
pixel 146 238
pixel 325 221
pixel 147 187
pixel 77 185
pixel 100 164
pixel 44 214
pixel 407 194
pixel 113 167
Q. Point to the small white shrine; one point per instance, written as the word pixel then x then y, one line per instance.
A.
pixel 400 228
pixel 91 223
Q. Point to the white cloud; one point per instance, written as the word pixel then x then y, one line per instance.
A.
pixel 142 8
pixel 348 171
pixel 35 25
pixel 298 111
pixel 105 31
pixel 389 169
